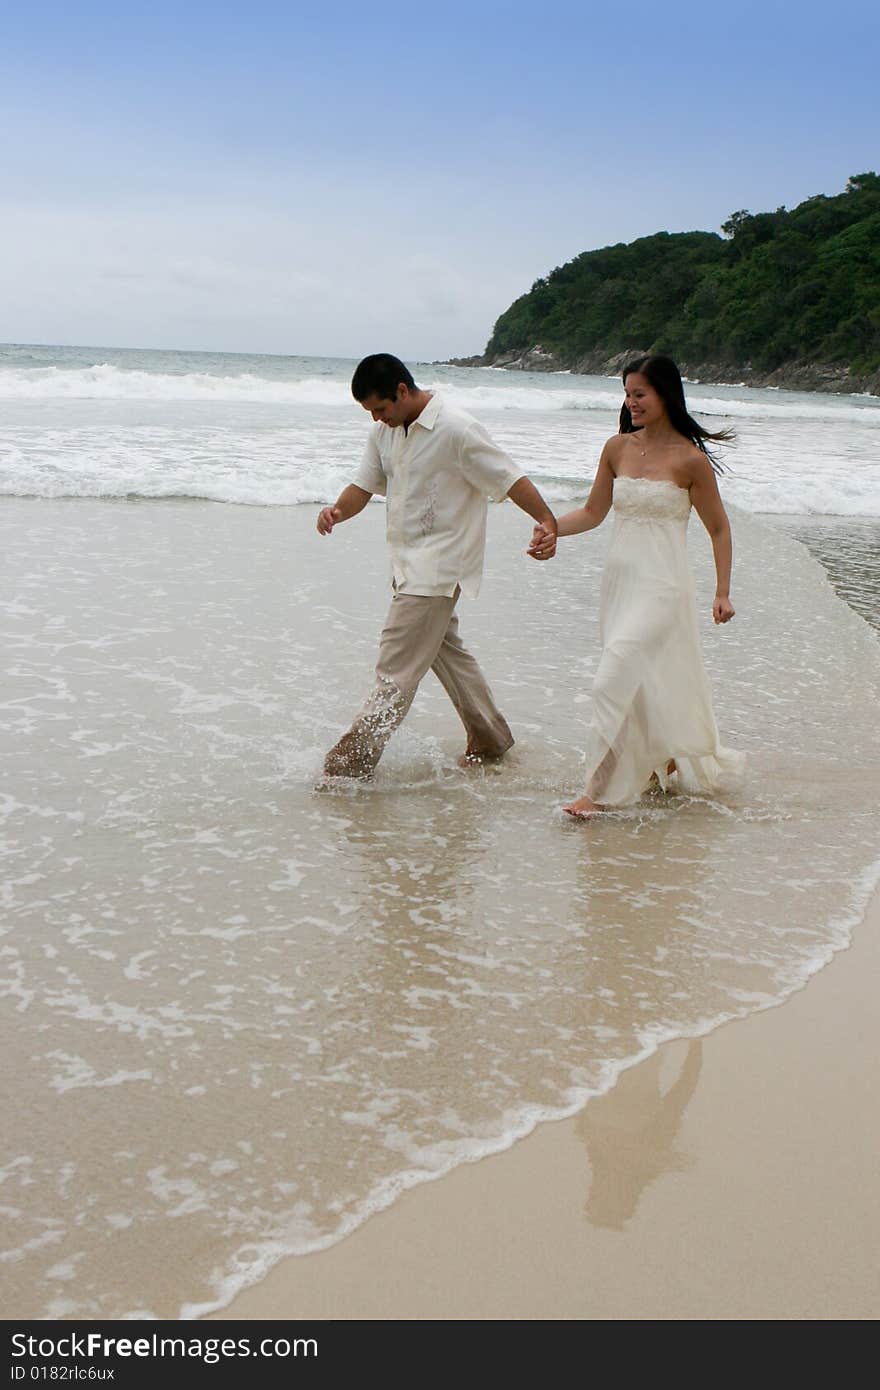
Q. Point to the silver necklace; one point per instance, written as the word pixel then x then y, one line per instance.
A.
pixel 647 447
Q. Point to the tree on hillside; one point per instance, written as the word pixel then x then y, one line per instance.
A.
pixel 777 287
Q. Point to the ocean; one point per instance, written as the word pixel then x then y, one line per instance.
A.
pixel 240 1016
pixel 276 431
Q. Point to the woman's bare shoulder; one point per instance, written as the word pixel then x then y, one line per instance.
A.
pixel 694 462
pixel 612 448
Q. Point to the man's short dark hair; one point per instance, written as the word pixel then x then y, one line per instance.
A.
pixel 380 375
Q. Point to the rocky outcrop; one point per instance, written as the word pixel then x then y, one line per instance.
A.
pixel 791 376
pixel 534 359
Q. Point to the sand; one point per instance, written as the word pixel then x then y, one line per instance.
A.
pixel 730 1178
pixel 176 896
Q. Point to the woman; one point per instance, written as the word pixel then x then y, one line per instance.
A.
pixel 652 715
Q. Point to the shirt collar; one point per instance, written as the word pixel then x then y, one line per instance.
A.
pixel 428 418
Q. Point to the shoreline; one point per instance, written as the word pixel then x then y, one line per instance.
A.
pixel 727 1177
pixel 823 378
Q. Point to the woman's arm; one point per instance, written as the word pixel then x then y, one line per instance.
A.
pixel 710 509
pixel 590 515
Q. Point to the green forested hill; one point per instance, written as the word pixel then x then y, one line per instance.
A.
pixel 779 288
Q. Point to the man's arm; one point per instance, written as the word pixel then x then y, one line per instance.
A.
pixel 488 468
pixel 350 501
pixel 528 498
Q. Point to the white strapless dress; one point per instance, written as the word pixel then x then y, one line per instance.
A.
pixel 652 701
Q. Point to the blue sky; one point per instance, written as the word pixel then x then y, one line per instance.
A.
pixel 339 178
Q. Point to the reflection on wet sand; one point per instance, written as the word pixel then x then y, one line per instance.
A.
pixel 630 1135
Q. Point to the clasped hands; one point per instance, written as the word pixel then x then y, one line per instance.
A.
pixel 543 542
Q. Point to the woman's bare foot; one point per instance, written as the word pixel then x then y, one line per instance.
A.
pixel 583 808
pixel 654 780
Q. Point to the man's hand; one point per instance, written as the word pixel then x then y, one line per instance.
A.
pixel 543 543
pixel 528 498
pixel 327 519
pixel 351 500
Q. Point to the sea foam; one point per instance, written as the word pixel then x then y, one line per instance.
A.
pixel 263 431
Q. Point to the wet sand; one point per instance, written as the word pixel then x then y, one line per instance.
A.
pixel 734 1177
pixel 239 1016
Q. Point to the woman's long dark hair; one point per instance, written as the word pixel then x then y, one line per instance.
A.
pixel 665 378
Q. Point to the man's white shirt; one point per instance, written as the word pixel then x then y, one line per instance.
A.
pixel 436 477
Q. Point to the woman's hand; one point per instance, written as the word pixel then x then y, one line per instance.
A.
pixel 543 543
pixel 722 609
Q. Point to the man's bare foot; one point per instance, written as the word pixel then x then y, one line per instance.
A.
pixel 583 808
pixel 351 757
pixel 340 767
pixel 336 781
pixel 474 756
pixel 471 758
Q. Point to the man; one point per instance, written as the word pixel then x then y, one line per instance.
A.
pixel 436 465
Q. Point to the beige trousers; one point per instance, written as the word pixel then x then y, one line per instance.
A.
pixel 420 635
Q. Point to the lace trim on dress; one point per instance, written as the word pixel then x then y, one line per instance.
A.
pixel 651 499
